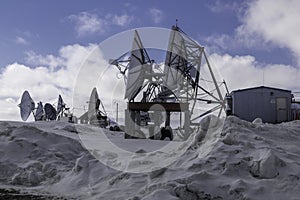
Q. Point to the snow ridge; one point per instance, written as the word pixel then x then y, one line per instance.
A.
pixel 243 161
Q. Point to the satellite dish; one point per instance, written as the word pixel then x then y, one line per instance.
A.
pixel 136 70
pixel 60 104
pixel 26 106
pixel 178 67
pixel 50 112
pixel 93 107
pixel 175 60
pixel 39 114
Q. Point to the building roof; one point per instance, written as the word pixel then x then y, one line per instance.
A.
pixel 261 87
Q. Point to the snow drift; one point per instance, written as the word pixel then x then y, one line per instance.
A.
pixel 244 161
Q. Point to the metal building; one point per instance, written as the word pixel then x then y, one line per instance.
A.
pixel 272 105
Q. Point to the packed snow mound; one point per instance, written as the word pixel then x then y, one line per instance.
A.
pixel 243 161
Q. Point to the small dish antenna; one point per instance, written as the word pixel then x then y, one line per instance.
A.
pixel 26 106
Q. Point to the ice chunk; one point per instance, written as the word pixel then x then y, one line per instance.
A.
pixel 266 166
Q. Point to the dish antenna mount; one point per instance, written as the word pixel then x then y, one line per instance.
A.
pixel 178 87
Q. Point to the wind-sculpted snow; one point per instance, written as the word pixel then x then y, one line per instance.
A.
pixel 244 161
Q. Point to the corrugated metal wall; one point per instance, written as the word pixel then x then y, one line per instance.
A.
pixel 270 104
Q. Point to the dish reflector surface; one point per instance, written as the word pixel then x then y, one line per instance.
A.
pixel 50 112
pixel 26 106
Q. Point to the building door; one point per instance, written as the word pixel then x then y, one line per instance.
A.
pixel 281 108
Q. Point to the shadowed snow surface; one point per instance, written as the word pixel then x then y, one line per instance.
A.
pixel 244 161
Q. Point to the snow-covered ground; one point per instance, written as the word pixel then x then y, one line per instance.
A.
pixel 245 161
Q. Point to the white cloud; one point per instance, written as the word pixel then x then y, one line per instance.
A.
pixel 88 23
pixel 221 42
pixel 220 6
pixel 21 40
pixel 58 75
pixel 49 60
pixel 244 71
pixel 217 42
pixel 156 15
pixel 121 20
pixel 275 22
pixel 53 75
pixel 73 74
pixel 264 24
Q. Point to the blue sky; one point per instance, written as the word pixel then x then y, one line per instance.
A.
pixel 247 40
pixel 45 26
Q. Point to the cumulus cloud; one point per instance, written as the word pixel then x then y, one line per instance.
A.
pixel 21 40
pixel 50 76
pixel 87 23
pixel 47 76
pixel 73 74
pixel 64 73
pixel 275 22
pixel 224 42
pixel 244 71
pixel 156 15
pixel 122 20
pixel 264 25
pixel 35 59
pixel 220 6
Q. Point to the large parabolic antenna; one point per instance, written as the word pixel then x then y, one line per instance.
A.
pixel 182 67
pixel 96 115
pixel 26 106
pixel 185 59
pixel 137 68
pixel 185 83
pixel 93 103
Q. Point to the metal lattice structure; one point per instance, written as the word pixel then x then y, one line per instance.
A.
pixel 175 87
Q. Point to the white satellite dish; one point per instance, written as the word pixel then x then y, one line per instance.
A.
pixel 94 103
pixel 95 115
pixel 139 60
pixel 178 67
pixel 39 113
pixel 26 106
